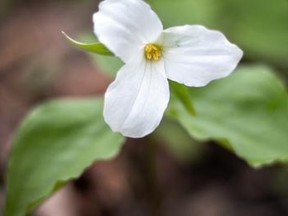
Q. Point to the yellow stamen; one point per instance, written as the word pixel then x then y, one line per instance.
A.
pixel 152 51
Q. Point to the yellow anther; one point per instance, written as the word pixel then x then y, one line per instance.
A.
pixel 152 51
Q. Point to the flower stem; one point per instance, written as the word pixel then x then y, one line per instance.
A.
pixel 154 194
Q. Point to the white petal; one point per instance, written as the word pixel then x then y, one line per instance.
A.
pixel 195 56
pixel 136 100
pixel 125 26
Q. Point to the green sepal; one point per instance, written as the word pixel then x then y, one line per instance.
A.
pixel 98 48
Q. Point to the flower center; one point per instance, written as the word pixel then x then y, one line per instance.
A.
pixel 152 51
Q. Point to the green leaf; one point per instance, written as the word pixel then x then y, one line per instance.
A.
pixel 246 112
pixel 55 143
pixel 93 47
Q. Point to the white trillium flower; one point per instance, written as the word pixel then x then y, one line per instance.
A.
pixel 191 54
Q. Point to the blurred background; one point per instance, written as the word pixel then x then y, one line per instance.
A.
pixel 37 64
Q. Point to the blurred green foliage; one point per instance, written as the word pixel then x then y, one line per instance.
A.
pixel 55 143
pixel 178 142
pixel 248 111
pixel 258 27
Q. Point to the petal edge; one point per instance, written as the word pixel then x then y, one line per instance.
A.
pixel 124 26
pixel 135 102
pixel 195 55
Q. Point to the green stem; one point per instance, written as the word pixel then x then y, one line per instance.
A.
pixel 154 194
